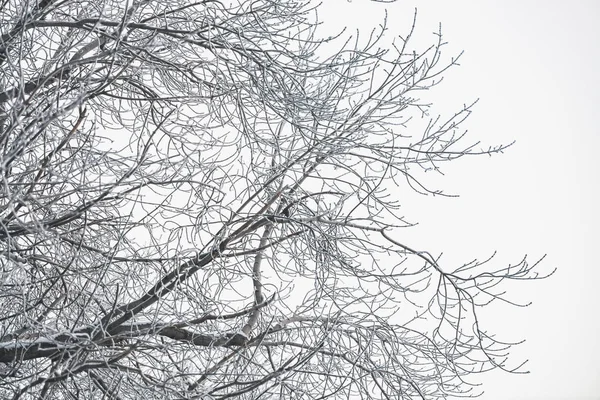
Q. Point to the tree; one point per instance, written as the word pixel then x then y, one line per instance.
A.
pixel 198 200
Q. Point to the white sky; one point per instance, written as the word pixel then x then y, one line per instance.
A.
pixel 535 66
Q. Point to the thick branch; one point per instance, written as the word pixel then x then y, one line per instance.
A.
pixel 256 281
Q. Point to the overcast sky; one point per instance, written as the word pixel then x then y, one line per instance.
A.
pixel 535 67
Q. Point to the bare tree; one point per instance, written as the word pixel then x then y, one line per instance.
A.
pixel 199 201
